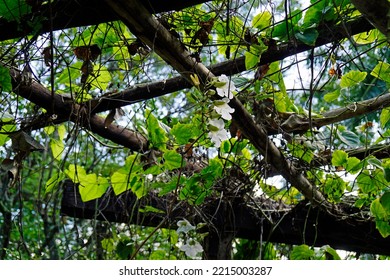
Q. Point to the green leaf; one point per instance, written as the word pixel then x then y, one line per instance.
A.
pixel 374 161
pixel 277 78
pixel 125 248
pixel 282 101
pixel 122 182
pixel 366 37
pixel 252 57
pixel 381 217
pixel 353 165
pixel 385 202
pixel 332 252
pixel 119 182
pixel 251 60
pixel 339 158
pixel 308 36
pixel 371 182
pixel 262 20
pixel 138 187
pixel 61 131
pixel 157 135
pixel 334 188
pixel 386 172
pixel 108 244
pixel 169 186
pixel 70 75
pixel 7 127
pixel 57 148
pixel 382 71
pixel 182 133
pixel 352 78
pixel 151 209
pixel 101 77
pixel 349 138
pixel 383 228
pixel 53 181
pixel 215 168
pixel 132 164
pixel 302 152
pixel 91 186
pixel 49 129
pixel 302 252
pixel 365 182
pixel 196 188
pixel 384 117
pixel 154 170
pixel 5 79
pixel 172 160
pixel 158 255
pixel 74 171
pixel 226 146
pixel 332 96
pixel 13 9
pixel 280 30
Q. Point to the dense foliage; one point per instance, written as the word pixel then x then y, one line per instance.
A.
pixel 317 103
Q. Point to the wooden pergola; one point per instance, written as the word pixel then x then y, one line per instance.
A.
pixel 314 221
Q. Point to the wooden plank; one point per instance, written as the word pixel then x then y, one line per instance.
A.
pixel 238 219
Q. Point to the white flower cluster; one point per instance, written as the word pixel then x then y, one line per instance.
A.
pixel 192 247
pixel 216 125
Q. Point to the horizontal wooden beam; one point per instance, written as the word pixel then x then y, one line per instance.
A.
pixel 57 15
pixel 65 109
pixel 260 218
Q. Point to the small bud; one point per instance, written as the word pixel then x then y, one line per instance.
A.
pixel 219 84
pixel 210 92
pixel 195 80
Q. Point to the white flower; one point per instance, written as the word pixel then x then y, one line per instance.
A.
pixel 191 248
pixel 226 87
pixel 217 131
pixel 216 124
pixel 223 109
pixel 184 226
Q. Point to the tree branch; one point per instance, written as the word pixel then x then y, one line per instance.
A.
pixel 76 13
pixel 65 109
pixel 299 123
pixel 230 67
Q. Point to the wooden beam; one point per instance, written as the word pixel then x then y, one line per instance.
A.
pixel 64 108
pixel 57 15
pixel 301 224
pixel 377 12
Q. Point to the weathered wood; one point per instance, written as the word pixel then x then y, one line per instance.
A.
pixel 377 12
pixel 298 225
pixel 62 14
pixel 155 89
pixel 66 109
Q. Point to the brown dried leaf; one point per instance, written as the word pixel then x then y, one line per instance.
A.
pixel 261 71
pixel 207 25
pixel 110 118
pixel 86 70
pixel 47 56
pixel 86 53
